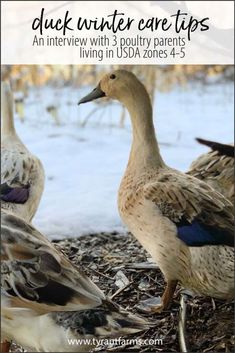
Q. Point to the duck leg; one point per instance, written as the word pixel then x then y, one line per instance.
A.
pixel 5 346
pixel 166 297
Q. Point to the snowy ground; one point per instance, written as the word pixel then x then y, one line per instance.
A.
pixel 84 165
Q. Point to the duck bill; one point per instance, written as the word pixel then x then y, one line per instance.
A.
pixel 95 94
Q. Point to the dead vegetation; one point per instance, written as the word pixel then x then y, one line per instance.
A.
pixel 123 270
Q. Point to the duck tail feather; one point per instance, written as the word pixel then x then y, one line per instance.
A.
pixel 222 149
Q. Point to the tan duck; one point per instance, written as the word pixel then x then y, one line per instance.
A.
pixel 22 173
pixel 47 301
pixel 184 224
pixel 216 167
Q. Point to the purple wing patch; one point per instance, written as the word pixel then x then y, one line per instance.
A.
pixel 199 234
pixel 14 194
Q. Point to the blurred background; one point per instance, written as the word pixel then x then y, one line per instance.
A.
pixel 84 149
pixel 161 78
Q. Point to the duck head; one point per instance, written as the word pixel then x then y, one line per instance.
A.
pixel 124 86
pixel 118 85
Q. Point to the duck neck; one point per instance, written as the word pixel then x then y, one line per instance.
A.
pixel 7 116
pixel 144 150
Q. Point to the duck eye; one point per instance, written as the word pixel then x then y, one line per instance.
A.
pixel 112 77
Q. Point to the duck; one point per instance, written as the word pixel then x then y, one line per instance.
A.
pixel 183 223
pixel 216 167
pixel 22 173
pixel 49 304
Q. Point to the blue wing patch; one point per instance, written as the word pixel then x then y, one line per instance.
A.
pixel 198 234
pixel 14 194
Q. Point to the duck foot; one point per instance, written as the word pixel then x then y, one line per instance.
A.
pixel 166 297
pixel 5 346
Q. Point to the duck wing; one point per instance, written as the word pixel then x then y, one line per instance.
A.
pixel 17 168
pixel 17 194
pixel 201 215
pixel 34 270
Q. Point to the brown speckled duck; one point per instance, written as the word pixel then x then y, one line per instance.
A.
pixel 22 173
pixel 216 167
pixel 47 302
pixel 184 224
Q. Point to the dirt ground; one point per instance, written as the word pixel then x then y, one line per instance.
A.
pixel 124 271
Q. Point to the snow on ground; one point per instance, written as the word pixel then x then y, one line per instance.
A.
pixel 84 164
